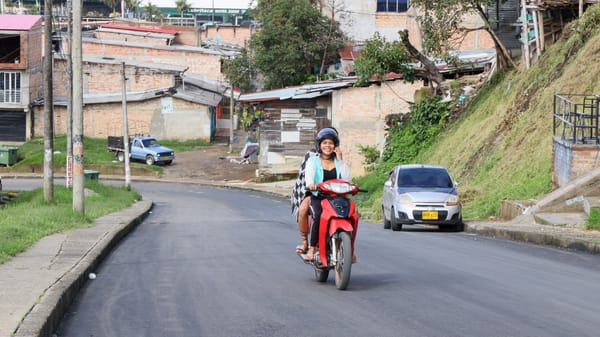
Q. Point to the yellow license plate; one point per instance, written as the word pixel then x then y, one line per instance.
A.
pixel 431 215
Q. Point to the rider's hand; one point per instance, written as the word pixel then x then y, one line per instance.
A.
pixel 338 153
pixel 312 187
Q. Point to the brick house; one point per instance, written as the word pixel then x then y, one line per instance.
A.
pixel 161 100
pixel 20 74
pixel 200 61
pixel 292 116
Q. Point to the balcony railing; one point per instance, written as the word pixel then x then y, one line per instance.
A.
pixel 576 118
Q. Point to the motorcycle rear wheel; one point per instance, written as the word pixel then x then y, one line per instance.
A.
pixel 344 261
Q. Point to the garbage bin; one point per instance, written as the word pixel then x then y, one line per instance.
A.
pixel 91 174
pixel 8 155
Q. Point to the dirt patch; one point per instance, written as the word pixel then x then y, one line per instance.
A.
pixel 212 163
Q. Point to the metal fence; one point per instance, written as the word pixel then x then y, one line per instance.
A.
pixel 576 118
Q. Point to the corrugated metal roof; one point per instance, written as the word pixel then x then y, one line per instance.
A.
pixel 301 92
pixel 199 95
pixel 191 49
pixel 205 83
pixel 18 22
pixel 150 65
pixel 190 93
pixel 139 29
pixel 154 35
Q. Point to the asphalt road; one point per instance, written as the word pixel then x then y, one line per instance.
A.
pixel 220 262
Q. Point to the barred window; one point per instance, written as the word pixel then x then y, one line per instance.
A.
pixel 10 87
pixel 393 6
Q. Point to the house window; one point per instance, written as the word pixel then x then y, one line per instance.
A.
pixel 10 87
pixel 393 6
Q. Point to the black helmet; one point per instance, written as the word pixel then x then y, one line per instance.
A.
pixel 327 133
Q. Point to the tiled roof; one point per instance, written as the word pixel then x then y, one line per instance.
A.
pixel 18 22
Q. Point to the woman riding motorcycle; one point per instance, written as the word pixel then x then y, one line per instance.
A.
pixel 329 164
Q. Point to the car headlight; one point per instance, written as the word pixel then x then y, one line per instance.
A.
pixel 452 200
pixel 405 199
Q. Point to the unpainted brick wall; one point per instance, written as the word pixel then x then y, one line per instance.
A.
pixel 199 62
pixel 106 119
pixel 359 115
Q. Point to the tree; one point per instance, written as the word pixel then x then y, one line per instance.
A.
pixel 132 5
pixel 239 71
pixel 182 7
pixel 294 42
pixel 380 57
pixel 441 20
pixel 152 12
pixel 112 4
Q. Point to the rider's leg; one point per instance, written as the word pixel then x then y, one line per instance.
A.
pixel 316 210
pixel 303 225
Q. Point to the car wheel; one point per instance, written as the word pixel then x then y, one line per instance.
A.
pixel 394 223
pixel 149 160
pixel 386 222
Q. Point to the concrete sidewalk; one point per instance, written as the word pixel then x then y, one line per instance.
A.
pixel 38 286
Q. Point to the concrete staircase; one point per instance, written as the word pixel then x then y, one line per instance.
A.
pixel 568 206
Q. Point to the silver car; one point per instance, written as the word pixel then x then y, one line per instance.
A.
pixel 421 194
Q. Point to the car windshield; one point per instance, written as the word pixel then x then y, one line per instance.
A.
pixel 424 177
pixel 150 142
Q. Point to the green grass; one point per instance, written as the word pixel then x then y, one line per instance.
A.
pixel 593 221
pixel 500 147
pixel 28 218
pixel 96 154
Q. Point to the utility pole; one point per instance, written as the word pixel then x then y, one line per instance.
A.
pixel 69 167
pixel 48 106
pixel 78 177
pixel 126 142
pixel 231 120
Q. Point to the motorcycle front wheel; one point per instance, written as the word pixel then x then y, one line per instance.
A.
pixel 321 274
pixel 344 261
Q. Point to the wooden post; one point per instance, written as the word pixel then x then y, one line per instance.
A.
pixel 542 31
pixel 525 34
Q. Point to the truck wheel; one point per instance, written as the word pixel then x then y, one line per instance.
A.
pixel 168 162
pixel 121 156
pixel 149 160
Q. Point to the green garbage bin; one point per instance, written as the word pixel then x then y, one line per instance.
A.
pixel 8 155
pixel 91 174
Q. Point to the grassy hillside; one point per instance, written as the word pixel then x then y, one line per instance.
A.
pixel 501 146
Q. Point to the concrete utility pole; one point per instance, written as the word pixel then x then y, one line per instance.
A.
pixel 69 167
pixel 78 177
pixel 231 120
pixel 48 106
pixel 126 142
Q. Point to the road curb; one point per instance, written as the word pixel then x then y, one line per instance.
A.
pixel 540 238
pixel 44 317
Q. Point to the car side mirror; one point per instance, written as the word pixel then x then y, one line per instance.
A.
pixel 387 183
pixel 455 183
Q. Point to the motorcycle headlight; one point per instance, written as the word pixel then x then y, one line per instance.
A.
pixel 452 201
pixel 339 188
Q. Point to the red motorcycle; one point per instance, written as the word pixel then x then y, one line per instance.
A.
pixel 337 232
